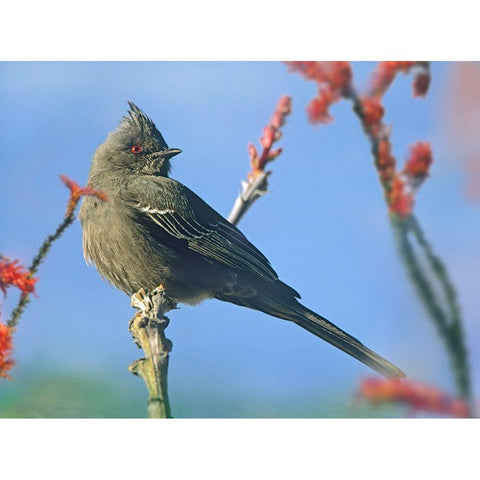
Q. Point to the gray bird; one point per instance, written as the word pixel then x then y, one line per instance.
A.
pixel 155 231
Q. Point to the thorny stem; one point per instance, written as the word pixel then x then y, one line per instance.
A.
pixel 445 314
pixel 448 321
pixel 148 331
pixel 76 192
pixel 256 184
pixel 38 259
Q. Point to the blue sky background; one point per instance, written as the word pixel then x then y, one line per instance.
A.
pixel 324 227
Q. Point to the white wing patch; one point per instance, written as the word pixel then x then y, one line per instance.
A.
pixel 149 209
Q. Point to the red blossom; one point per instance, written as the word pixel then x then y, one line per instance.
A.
pixel 76 192
pixel 334 80
pixel 6 348
pixel 284 107
pixel 271 134
pixel 14 274
pixel 419 162
pixel 416 395
pixel 336 76
pixel 268 137
pixel 372 114
pixel 399 200
pixel 342 75
pixel 309 70
pixel 317 109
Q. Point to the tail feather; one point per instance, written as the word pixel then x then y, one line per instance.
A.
pixel 326 330
pixel 290 309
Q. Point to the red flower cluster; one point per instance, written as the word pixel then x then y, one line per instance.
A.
pixel 385 73
pixel 317 109
pixel 76 192
pixel 336 74
pixel 416 395
pixel 6 363
pixel 402 186
pixel 271 134
pixel 334 80
pixel 399 196
pixel 14 274
pixel 417 166
pixel 399 187
pixel 372 114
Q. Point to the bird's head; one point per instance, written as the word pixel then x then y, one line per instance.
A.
pixel 135 146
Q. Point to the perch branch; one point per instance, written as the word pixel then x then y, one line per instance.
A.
pixel 148 331
pixel 251 191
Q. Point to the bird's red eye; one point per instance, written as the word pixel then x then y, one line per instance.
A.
pixel 136 149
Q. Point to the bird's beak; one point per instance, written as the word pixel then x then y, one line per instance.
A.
pixel 170 152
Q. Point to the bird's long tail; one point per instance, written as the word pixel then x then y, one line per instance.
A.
pixel 291 309
pixel 326 330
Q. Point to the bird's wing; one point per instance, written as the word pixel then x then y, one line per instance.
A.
pixel 186 217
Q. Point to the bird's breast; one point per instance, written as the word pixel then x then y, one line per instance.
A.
pixel 128 254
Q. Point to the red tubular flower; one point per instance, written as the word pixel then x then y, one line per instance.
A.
pixel 372 113
pixel 284 107
pixel 76 192
pixel 317 109
pixel 14 274
pixel 334 80
pixel 416 395
pixel 309 70
pixel 6 348
pixel 335 75
pixel 339 76
pixel 419 162
pixel 268 137
pixel 271 134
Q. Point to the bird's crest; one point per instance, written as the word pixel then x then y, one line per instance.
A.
pixel 138 120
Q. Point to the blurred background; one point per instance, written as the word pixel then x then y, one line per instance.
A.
pixel 324 227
